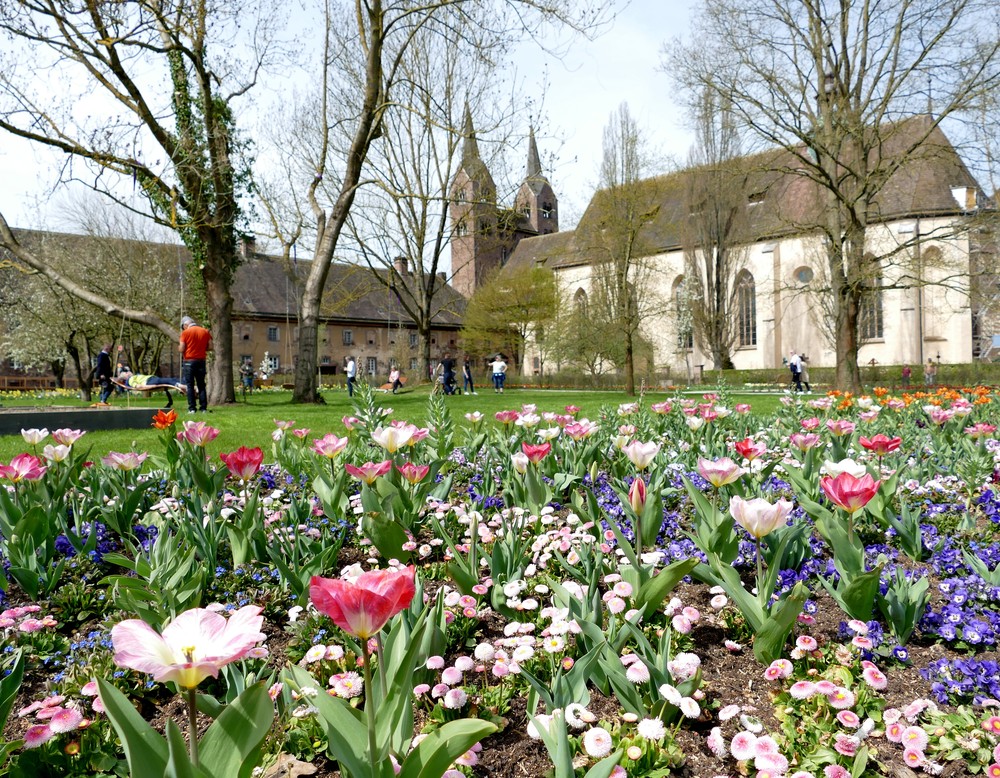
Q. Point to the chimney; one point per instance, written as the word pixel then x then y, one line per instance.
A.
pixel 401 265
pixel 248 246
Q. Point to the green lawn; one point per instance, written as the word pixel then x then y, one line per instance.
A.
pixel 251 423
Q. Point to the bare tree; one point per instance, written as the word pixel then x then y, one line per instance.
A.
pixel 166 84
pixel 401 227
pixel 714 234
pixel 621 268
pixel 362 71
pixel 833 84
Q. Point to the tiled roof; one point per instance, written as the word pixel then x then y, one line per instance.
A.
pixel 791 204
pixel 261 290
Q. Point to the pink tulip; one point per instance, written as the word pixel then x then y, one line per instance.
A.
pixel 981 430
pixel 362 607
pixel 840 427
pixel 351 422
pixel 197 433
pixel 283 425
pixel 536 453
pixel 641 454
pixel 243 463
pixel 23 467
pixel 507 417
pixel 195 645
pixel 637 495
pixel 661 408
pixel 938 415
pixel 578 430
pixel 720 472
pixel 880 444
pixel 329 445
pixel 809 424
pixel 67 437
pixel 124 461
pixel 750 449
pixel 412 472
pixel 369 471
pixel 804 441
pixel 850 492
pixel 758 516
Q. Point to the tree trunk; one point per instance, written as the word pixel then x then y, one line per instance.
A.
pixel 83 379
pixel 306 388
pixel 848 374
pixel 220 371
pixel 58 367
pixel 629 365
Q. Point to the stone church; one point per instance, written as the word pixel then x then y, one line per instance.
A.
pixel 925 307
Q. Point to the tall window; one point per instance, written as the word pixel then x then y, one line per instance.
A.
pixel 348 337
pixel 372 365
pixel 580 303
pixel 746 310
pixel 272 334
pixel 870 319
pixel 685 330
pixel 413 340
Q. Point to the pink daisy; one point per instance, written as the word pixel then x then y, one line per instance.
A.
pixel 913 757
pixel 849 719
pixel 802 690
pixel 841 698
pixel 914 737
pixel 36 735
pixel 743 746
pixel 65 720
pixel 874 677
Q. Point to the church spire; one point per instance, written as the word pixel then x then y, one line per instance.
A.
pixel 534 161
pixel 470 147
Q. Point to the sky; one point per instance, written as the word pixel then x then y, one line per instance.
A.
pixel 585 86
pixel 589 83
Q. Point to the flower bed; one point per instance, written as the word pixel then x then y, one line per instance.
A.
pixel 677 587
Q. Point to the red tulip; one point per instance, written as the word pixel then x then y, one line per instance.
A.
pixel 880 444
pixel 243 463
pixel 537 453
pixel 849 492
pixel 750 449
pixel 363 606
pixel 369 471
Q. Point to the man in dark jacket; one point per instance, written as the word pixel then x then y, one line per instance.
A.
pixel 103 373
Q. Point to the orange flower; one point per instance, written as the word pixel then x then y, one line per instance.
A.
pixel 880 391
pixel 164 419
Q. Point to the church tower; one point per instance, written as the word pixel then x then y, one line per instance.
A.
pixel 535 202
pixel 475 240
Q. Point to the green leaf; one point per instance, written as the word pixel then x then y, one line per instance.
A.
pixel 145 749
pixel 435 753
pixel 178 761
pixel 237 734
pixel 603 768
pixel 770 638
pixel 655 590
pixel 346 732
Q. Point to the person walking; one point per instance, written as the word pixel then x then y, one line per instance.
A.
pixel 352 373
pixel 795 366
pixel 906 373
pixel 499 368
pixel 103 374
pixel 467 386
pixel 195 343
pixel 804 372
pixel 930 373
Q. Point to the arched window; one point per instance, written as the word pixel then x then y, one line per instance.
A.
pixel 746 310
pixel 682 310
pixel 870 318
pixel 580 303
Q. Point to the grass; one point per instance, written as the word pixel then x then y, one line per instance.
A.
pixel 251 423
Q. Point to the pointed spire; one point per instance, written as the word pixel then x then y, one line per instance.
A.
pixel 470 149
pixel 534 161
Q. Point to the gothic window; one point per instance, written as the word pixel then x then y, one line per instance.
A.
pixel 685 332
pixel 870 319
pixel 746 310
pixel 547 209
pixel 580 303
pixel 461 228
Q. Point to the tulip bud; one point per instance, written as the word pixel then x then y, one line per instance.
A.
pixel 520 462
pixel 637 495
pixel 593 472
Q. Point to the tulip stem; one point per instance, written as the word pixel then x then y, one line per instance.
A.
pixel 193 724
pixel 370 703
pixel 760 577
